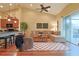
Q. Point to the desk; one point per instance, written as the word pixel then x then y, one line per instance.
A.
pixel 6 35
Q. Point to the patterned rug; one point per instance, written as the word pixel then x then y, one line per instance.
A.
pixel 48 46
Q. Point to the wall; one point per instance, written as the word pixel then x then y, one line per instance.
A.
pixel 14 13
pixel 69 9
pixel 1 16
pixel 32 17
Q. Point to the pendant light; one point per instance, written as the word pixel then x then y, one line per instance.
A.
pixel 9 18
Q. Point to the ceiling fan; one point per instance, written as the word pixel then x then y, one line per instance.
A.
pixel 44 8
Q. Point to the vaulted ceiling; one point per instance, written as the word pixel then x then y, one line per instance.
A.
pixel 55 7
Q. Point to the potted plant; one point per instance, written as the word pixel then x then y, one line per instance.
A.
pixel 23 27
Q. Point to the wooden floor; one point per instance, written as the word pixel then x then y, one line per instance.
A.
pixel 41 53
pixel 10 51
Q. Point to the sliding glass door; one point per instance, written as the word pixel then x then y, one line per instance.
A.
pixel 66 28
pixel 75 28
pixel 75 31
pixel 70 28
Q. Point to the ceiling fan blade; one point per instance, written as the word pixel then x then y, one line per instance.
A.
pixel 38 8
pixel 42 6
pixel 46 10
pixel 41 10
pixel 48 7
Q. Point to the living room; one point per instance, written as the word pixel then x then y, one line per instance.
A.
pixel 42 25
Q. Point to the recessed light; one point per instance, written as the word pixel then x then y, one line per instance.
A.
pixel 0 17
pixel 31 5
pixel 1 6
pixel 10 4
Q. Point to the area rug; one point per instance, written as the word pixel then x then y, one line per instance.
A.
pixel 48 46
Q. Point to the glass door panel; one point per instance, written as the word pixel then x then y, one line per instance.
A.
pixel 75 31
pixel 66 28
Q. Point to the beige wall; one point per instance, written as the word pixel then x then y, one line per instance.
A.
pixel 13 13
pixel 32 17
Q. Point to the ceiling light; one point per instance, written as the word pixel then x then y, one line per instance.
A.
pixel 14 21
pixel 0 17
pixel 9 19
pixel 1 6
pixel 31 5
pixel 10 4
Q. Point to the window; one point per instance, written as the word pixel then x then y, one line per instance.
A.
pixel 42 25
pixel 45 25
pixel 39 25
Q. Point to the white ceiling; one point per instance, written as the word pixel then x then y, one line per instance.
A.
pixel 55 7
